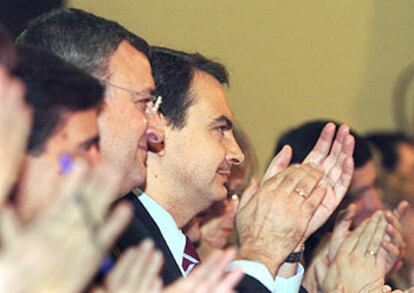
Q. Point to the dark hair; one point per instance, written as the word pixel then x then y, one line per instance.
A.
pixel 173 73
pixel 303 138
pixel 53 88
pixel 386 143
pixel 79 37
pixel 7 54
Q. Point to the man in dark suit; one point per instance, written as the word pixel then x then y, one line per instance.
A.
pixel 192 171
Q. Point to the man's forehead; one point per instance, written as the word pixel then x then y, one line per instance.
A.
pixel 210 98
pixel 128 65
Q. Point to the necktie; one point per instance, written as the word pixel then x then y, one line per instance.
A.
pixel 190 257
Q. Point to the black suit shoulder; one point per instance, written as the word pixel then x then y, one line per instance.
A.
pixel 143 226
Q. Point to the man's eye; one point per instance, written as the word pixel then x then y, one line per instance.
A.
pixel 222 129
pixel 144 102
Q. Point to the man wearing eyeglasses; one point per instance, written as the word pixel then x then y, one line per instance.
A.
pixel 128 122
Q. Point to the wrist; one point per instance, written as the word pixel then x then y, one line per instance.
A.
pixel 271 262
pixel 296 255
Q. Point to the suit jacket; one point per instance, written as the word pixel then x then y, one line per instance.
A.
pixel 143 226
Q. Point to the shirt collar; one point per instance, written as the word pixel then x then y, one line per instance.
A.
pixel 172 235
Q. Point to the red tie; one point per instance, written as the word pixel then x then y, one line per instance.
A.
pixel 190 257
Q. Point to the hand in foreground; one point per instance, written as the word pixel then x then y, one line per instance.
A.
pixel 136 271
pixel 325 255
pixel 61 249
pixel 389 252
pixel 15 118
pixel 393 243
pixel 357 261
pixel 209 277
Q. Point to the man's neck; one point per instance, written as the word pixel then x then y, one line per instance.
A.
pixel 174 198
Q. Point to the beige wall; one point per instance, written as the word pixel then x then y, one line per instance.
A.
pixel 290 61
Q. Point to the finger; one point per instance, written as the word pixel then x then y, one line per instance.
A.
pixel 341 186
pixel 395 236
pixel 117 275
pixel 214 277
pixel 373 286
pixel 378 236
pixel 143 257
pixel 114 225
pixel 335 170
pixel 156 286
pixel 311 204
pixel 227 284
pixel 338 289
pixel 150 274
pixel 401 209
pixel 351 241
pixel 386 289
pixel 279 162
pixel 393 220
pixel 341 230
pixel 131 263
pixel 304 187
pixel 369 233
pixel 249 193
pixel 201 271
pixel 289 182
pixel 390 250
pixel 338 150
pixel 102 190
pixel 321 149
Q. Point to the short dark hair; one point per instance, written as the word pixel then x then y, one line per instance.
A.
pixel 173 73
pixel 7 54
pixel 303 138
pixel 53 88
pixel 80 38
pixel 386 143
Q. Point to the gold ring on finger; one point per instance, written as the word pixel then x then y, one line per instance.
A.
pixel 371 252
pixel 300 192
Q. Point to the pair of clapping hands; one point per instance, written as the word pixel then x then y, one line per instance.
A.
pixel 278 214
pixel 358 261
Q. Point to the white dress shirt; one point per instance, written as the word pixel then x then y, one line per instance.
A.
pixel 175 240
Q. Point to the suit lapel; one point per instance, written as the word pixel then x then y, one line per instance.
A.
pixel 144 224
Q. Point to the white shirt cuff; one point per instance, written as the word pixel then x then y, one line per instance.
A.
pixel 289 285
pixel 255 270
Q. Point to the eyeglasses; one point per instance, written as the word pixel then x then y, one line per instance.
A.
pixel 151 104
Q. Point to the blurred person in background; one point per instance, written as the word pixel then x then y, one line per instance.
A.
pixel 396 179
pixel 396 151
pixel 66 103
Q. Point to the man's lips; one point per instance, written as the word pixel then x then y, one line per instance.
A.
pixel 224 173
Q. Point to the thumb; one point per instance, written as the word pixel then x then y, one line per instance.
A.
pixel 248 193
pixel 341 230
pixel 279 162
